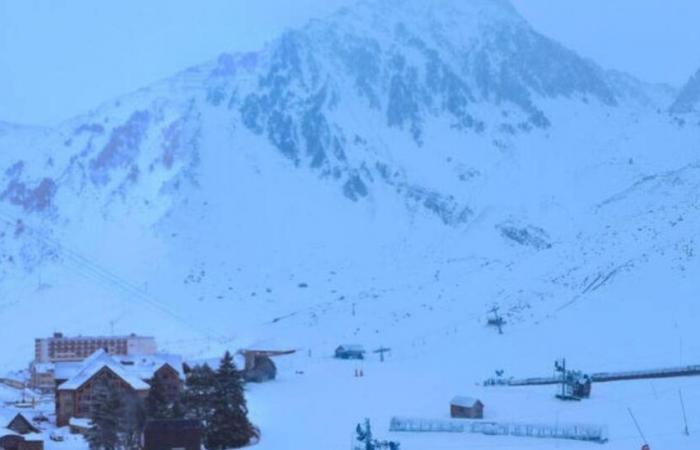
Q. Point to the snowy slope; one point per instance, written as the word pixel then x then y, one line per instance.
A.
pixel 382 176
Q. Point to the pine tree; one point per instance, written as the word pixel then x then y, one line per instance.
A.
pixel 106 411
pixel 177 410
pixel 364 436
pixel 118 418
pixel 200 391
pixel 229 426
pixel 132 422
pixel 366 440
pixel 157 405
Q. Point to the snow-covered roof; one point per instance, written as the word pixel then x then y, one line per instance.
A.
pixel 463 401
pixel 21 415
pixel 147 365
pixel 352 348
pixel 144 366
pixel 80 422
pixel 44 367
pixel 66 369
pixel 98 361
pixel 7 432
pixel 7 416
pixel 33 437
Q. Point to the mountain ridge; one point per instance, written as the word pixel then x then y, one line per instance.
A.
pixel 371 153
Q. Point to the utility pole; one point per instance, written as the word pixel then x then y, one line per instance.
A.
pixel 639 429
pixel 496 320
pixel 560 366
pixel 686 431
pixel 381 352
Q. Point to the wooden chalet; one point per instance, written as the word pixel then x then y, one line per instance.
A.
pixel 466 408
pixel 131 378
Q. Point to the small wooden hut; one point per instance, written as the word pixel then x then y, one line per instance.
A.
pixel 20 424
pixel 350 352
pixel 466 408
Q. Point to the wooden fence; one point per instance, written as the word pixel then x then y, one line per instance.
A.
pixel 577 432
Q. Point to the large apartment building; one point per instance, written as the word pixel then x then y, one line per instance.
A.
pixel 60 348
pixel 57 355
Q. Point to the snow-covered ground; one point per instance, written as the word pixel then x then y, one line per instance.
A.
pixel 381 178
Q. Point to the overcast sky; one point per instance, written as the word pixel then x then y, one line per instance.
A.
pixel 59 58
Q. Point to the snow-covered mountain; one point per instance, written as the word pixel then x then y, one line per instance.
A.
pixel 353 141
pixel 384 175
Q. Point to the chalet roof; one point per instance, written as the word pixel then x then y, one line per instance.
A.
pixel 352 348
pixel 33 437
pixel 144 366
pixel 7 432
pixel 97 362
pixel 66 369
pixel 147 365
pixel 21 417
pixel 80 422
pixel 464 402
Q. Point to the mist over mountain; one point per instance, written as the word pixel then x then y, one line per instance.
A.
pixel 413 162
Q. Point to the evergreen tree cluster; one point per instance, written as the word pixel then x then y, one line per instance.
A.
pixel 216 398
pixel 158 407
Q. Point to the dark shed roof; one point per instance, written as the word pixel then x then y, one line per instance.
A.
pixel 173 425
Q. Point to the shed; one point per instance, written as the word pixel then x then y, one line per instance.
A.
pixel 262 370
pixel 173 434
pixel 350 352
pixel 32 441
pixel 20 424
pixel 9 440
pixel 259 366
pixel 466 408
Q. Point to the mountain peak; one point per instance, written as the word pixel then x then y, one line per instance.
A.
pixel 462 15
pixel 455 6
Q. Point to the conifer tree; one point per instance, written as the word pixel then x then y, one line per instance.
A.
pixel 199 394
pixel 177 410
pixel 106 411
pixel 229 426
pixel 132 422
pixel 157 405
